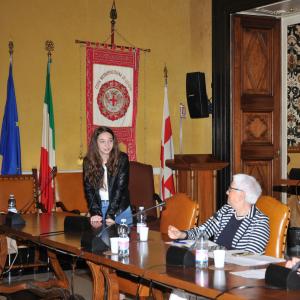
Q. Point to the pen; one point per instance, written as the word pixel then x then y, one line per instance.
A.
pixel 241 254
pixel 180 242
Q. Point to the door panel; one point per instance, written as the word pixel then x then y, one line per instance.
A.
pixel 256 98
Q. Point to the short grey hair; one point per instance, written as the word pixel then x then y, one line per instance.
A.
pixel 249 185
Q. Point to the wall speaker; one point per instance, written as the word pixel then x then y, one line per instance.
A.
pixel 196 95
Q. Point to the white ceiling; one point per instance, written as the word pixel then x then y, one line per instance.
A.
pixel 281 9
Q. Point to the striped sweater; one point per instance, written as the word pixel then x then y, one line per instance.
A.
pixel 252 235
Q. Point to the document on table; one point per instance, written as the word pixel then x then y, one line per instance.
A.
pixel 188 243
pixel 182 243
pixel 248 259
pixel 253 274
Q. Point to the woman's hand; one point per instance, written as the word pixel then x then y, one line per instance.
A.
pixel 96 221
pixel 109 221
pixel 174 233
pixel 290 263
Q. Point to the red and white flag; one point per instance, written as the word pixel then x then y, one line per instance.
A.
pixel 48 148
pixel 167 188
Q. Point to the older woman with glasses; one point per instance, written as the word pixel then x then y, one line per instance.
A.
pixel 238 224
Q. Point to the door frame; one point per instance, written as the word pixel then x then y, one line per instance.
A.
pixel 221 88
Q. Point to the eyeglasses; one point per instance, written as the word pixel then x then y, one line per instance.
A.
pixel 233 189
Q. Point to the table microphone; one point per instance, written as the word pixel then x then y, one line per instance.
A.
pixel 95 241
pixel 163 203
pixel 79 223
pixel 100 242
pixel 282 277
pixel 38 204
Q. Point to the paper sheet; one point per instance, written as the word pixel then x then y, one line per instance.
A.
pixel 253 274
pixel 188 243
pixel 248 260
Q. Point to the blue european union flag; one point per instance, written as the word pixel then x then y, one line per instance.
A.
pixel 10 136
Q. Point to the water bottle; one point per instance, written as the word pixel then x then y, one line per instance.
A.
pixel 141 219
pixel 12 204
pixel 202 250
pixel 123 231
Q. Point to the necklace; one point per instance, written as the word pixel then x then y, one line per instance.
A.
pixel 240 217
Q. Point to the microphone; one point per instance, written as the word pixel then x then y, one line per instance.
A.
pixel 38 204
pixel 101 242
pixel 163 203
pixel 13 218
pixel 95 241
pixel 79 223
pixel 282 277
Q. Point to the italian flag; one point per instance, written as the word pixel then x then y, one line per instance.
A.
pixel 48 148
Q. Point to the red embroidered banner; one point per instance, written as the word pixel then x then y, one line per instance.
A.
pixel 111 93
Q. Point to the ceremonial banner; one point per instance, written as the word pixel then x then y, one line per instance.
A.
pixel 111 93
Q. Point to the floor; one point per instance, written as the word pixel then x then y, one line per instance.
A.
pixel 82 283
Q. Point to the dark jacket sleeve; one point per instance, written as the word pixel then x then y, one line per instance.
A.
pixel 118 188
pixel 92 195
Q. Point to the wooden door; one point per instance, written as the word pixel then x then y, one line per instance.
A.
pixel 256 88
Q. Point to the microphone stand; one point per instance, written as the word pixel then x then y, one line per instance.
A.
pixel 97 242
pixel 134 215
pixel 150 208
pixel 35 200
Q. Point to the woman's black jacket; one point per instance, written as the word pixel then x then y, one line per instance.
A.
pixel 117 190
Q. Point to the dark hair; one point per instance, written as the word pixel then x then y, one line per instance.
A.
pixel 92 164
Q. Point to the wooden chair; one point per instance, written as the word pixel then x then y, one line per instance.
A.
pixel 169 216
pixel 69 192
pixel 279 216
pixel 23 187
pixel 54 288
pixel 142 193
pixel 181 211
pixel 25 190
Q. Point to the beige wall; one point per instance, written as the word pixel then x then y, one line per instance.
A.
pixel 178 32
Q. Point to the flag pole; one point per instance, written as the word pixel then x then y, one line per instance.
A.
pixel 11 50
pixel 166 74
pixel 113 16
pixel 182 115
pixel 49 46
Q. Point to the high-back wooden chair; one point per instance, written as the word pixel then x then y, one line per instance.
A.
pixel 23 187
pixel 180 211
pixel 142 193
pixel 69 192
pixel 26 192
pixel 141 187
pixel 279 217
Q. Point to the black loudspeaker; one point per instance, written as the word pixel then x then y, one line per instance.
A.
pixel 14 219
pixel 294 174
pixel 177 256
pixel 196 95
pixel 93 243
pixel 76 223
pixel 282 277
pixel 98 240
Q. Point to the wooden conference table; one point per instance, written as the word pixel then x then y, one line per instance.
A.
pixel 146 260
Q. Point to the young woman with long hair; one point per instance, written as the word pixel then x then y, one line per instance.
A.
pixel 106 178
